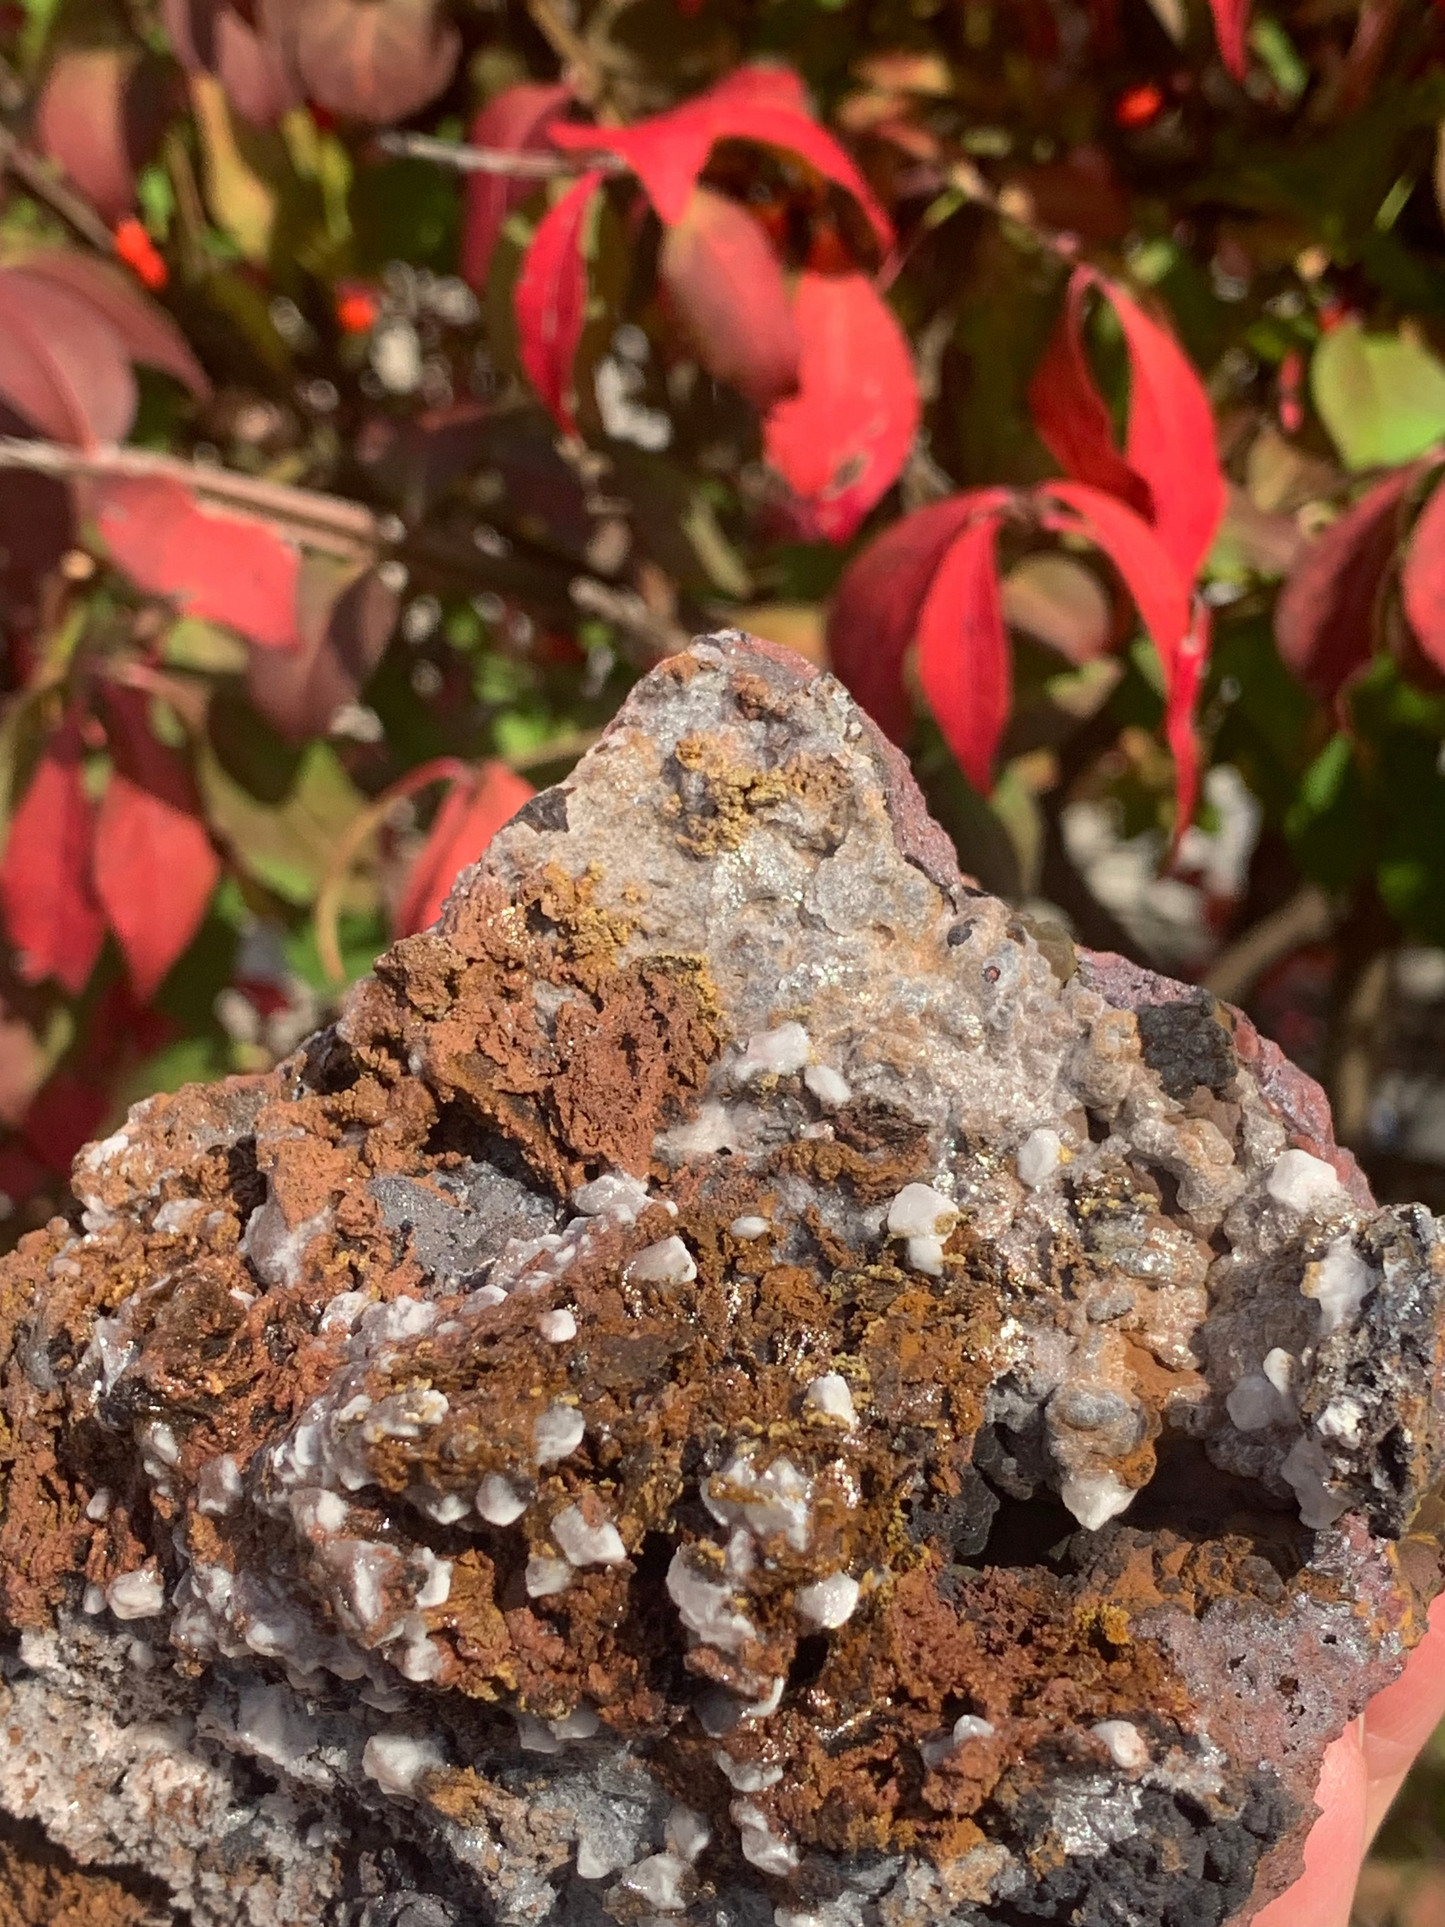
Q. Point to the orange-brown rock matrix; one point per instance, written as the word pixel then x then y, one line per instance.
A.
pixel 742 1383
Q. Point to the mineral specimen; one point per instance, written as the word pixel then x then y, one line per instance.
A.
pixel 741 1383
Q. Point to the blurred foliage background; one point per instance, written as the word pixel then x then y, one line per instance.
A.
pixel 281 302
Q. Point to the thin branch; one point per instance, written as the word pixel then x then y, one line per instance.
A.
pixel 329 523
pixel 58 196
pixel 495 160
pixel 1361 1036
pixel 579 63
pixel 1305 918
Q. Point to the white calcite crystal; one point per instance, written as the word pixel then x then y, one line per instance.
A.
pixel 1339 1284
pixel 1303 1183
pixel 498 1500
pixel 557 1433
pixel 733 1315
pixel 1126 1745
pixel 775 1053
pixel 1095 1498
pixel 830 1087
pixel 1039 1157
pixel 828 1602
pixel 585 1544
pixel 669 1262
pixel 830 1397
pixel 136 1595
pixel 396 1761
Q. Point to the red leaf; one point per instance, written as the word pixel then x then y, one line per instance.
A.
pixel 1179 731
pixel 66 1113
pixel 101 114
pixel 465 824
pixel 238 45
pixel 963 651
pixel 516 121
pixel 1180 632
pixel 551 300
pixel 1325 617
pixel 54 919
pixel 376 60
pixel 1150 574
pixel 875 609
pixel 842 439
pixel 1169 449
pixel 728 287
pixel 222 568
pixel 1071 416
pixel 144 330
pixel 252 68
pixel 755 103
pixel 1170 440
pixel 1231 18
pixel 1423 582
pixel 345 617
pixel 155 869
pixel 62 368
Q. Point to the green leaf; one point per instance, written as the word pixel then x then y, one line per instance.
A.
pixel 202 646
pixel 1382 397
pixel 1329 819
pixel 286 848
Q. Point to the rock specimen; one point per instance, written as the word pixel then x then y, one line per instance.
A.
pixel 741 1383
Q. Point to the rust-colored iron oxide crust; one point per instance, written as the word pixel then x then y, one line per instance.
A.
pixel 741 1383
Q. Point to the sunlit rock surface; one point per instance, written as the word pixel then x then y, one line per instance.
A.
pixel 741 1384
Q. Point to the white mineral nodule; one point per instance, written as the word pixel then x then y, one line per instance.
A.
pixel 1126 1744
pixel 830 1087
pixel 749 1226
pixel 1339 1283
pixel 921 1212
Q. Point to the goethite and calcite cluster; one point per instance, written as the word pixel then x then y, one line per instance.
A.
pixel 742 1383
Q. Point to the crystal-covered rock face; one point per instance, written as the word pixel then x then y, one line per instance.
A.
pixel 741 1383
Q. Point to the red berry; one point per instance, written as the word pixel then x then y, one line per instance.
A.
pixel 356 309
pixel 1139 106
pixel 136 248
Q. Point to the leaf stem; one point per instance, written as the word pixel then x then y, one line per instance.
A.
pixel 328 523
pixel 36 178
pixel 363 826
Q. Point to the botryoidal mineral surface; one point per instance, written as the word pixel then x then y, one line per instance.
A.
pixel 742 1383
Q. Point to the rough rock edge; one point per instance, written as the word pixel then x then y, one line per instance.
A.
pixel 1294 1099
